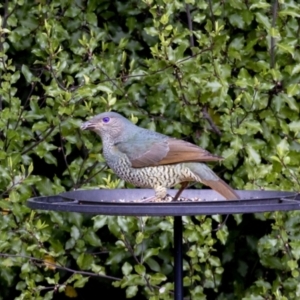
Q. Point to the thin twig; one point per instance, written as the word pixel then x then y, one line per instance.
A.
pixel 128 246
pixel 10 188
pixel 38 142
pixel 178 77
pixel 290 172
pixel 6 14
pixel 46 263
pixel 221 224
pixel 298 31
pixel 160 70
pixel 91 177
pixel 211 13
pixel 273 41
pixel 208 118
pixel 110 79
pixel 285 245
pixel 190 24
pixel 54 76
pixel 33 85
pixel 64 155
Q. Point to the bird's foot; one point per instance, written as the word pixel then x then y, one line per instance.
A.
pixel 167 198
pixel 149 199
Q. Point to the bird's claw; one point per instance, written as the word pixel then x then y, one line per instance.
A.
pixel 167 198
pixel 149 199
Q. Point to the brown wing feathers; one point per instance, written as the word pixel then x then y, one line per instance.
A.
pixel 181 151
pixel 152 156
pixel 172 151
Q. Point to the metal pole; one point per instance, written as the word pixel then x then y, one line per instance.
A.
pixel 178 286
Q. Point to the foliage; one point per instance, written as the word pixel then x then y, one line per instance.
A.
pixel 222 74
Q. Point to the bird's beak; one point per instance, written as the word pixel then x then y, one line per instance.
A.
pixel 88 125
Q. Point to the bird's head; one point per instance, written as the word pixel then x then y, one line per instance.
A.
pixel 109 125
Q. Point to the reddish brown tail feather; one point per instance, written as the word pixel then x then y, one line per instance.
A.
pixel 222 188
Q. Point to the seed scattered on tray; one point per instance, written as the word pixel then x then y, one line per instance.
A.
pixel 167 199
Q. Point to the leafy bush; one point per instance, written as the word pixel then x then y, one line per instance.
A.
pixel 222 74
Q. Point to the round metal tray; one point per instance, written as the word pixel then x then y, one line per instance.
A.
pixel 117 202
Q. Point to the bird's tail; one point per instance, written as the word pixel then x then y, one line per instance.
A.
pixel 222 188
pixel 209 178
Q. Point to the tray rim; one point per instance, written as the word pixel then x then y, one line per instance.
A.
pixel 284 201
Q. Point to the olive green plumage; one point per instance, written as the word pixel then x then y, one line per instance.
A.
pixel 149 159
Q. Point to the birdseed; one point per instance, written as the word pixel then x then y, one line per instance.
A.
pixel 167 199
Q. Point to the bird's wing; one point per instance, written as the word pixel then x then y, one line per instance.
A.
pixel 181 151
pixel 155 151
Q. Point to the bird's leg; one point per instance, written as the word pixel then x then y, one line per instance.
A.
pixel 160 193
pixel 183 186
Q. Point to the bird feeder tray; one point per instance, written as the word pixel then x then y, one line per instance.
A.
pixel 127 202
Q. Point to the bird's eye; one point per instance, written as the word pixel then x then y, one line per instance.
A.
pixel 106 119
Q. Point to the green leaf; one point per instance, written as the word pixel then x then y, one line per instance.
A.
pixel 214 261
pixel 214 86
pixel 27 74
pixel 293 89
pixel 91 238
pixel 289 12
pixel 237 20
pixel 104 88
pixel 222 234
pixel 165 226
pixel 285 48
pixel 164 19
pixel 150 252
pixel 294 126
pixel 139 237
pixel 263 20
pixel 282 148
pixel 131 291
pixel 75 218
pixel 158 278
pixel 153 264
pixel 291 102
pixel 253 154
pixel 99 222
pixel 75 233
pixel 127 268
pixel 295 69
pixel 81 282
pixel 140 269
pixel 116 256
pixel 260 4
pixel 85 261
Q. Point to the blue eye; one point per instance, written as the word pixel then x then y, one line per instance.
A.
pixel 106 119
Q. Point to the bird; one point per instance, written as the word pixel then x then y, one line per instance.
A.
pixel 149 159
